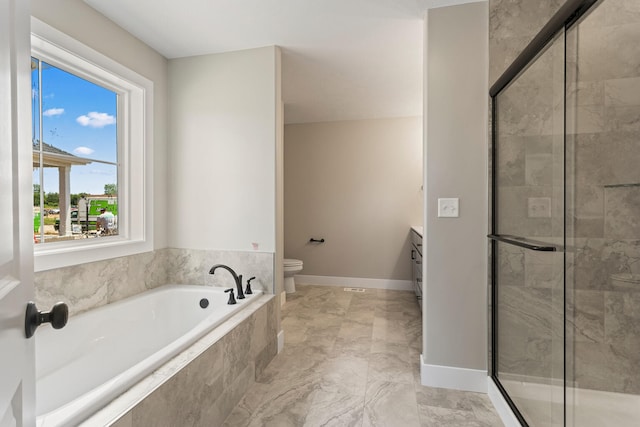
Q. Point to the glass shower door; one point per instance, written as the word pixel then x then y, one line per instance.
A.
pixel 603 216
pixel 528 239
pixel 566 222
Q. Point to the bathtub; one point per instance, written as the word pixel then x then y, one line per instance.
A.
pixel 103 352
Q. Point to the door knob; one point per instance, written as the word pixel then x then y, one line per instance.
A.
pixel 57 316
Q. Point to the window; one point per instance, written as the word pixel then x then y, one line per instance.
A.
pixel 91 153
pixel 75 156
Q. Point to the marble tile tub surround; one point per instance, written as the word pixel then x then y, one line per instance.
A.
pixel 192 266
pixel 352 359
pixel 95 284
pixel 92 285
pixel 206 390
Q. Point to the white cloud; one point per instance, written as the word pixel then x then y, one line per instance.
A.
pixel 85 151
pixel 53 112
pixel 96 120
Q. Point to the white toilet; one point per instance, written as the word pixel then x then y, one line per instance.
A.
pixel 291 268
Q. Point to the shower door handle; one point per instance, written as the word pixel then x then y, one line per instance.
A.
pixel 523 243
pixel 57 316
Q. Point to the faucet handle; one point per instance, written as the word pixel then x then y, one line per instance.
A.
pixel 232 298
pixel 239 286
pixel 249 291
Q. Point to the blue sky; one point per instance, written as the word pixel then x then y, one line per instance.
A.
pixel 79 117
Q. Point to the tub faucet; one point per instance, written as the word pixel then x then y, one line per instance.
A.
pixel 237 278
pixel 248 291
pixel 232 300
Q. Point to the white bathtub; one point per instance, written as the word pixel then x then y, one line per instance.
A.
pixel 103 352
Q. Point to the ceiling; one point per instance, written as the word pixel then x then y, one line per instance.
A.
pixel 341 59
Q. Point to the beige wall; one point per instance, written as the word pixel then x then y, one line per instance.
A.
pixel 223 117
pixel 456 157
pixel 356 184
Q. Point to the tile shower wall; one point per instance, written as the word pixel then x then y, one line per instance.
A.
pixel 92 285
pixel 529 190
pixel 530 315
pixel 207 390
pixel 603 111
pixel 512 24
pixel 603 203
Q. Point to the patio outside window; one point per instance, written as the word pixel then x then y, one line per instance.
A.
pixel 75 156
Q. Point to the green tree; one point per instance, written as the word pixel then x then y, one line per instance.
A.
pixel 52 199
pixel 36 194
pixel 110 189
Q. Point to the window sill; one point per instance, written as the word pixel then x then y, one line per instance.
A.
pixel 136 195
pixel 57 255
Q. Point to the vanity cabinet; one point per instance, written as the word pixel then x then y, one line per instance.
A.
pixel 416 263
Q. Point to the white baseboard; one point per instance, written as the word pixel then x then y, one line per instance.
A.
pixel 280 341
pixel 452 377
pixel 355 282
pixel 502 407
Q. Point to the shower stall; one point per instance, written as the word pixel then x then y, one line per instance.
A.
pixel 565 238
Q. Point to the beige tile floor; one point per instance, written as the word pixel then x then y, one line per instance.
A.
pixel 352 359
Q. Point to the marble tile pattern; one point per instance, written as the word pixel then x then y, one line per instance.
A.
pixel 512 24
pixel 527 170
pixel 530 313
pixel 352 359
pixel 604 72
pixel 204 392
pixel 192 266
pixel 92 285
pixel 602 314
pixel 602 193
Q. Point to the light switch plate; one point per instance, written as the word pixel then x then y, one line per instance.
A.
pixel 448 208
pixel 539 207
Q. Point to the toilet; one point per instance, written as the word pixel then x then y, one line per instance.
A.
pixel 291 268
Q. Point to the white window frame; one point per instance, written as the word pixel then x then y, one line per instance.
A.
pixel 135 159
